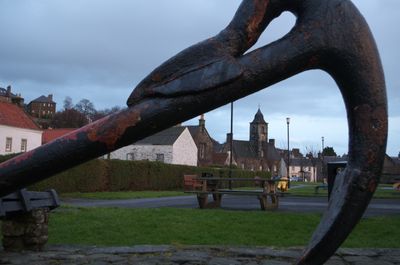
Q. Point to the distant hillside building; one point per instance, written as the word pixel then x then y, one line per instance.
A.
pixel 7 96
pixel 18 132
pixel 43 107
pixel 259 153
pixel 174 145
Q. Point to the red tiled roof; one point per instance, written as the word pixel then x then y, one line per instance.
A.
pixel 14 116
pixel 51 134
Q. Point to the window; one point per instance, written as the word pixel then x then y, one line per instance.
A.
pixel 8 144
pixel 130 156
pixel 24 145
pixel 160 157
pixel 202 150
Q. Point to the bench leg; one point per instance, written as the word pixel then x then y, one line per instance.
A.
pixel 265 205
pixel 202 200
pixel 217 199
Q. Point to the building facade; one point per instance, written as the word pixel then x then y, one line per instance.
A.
pixel 302 169
pixel 203 141
pixel 18 132
pixel 257 154
pixel 172 146
pixel 42 107
pixel 7 96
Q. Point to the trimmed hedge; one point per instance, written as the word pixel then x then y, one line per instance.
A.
pixel 6 157
pixel 88 177
pixel 119 175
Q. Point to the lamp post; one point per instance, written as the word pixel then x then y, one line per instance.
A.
pixel 288 151
pixel 322 157
pixel 231 148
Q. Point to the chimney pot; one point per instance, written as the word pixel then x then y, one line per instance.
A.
pixel 272 142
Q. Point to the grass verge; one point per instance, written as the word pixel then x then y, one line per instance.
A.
pixel 119 227
pixel 384 191
pixel 119 195
pixel 297 189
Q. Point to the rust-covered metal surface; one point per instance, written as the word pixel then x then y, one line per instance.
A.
pixel 330 35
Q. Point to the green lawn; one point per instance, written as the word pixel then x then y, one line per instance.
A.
pixel 122 195
pixel 119 227
pixel 297 189
pixel 384 191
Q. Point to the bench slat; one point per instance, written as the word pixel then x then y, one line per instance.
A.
pixel 25 201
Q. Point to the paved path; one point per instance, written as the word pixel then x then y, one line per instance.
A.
pixel 191 255
pixel 231 202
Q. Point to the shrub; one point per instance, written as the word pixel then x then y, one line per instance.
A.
pixel 119 175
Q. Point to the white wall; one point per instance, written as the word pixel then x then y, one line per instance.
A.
pixel 34 138
pixel 297 169
pixel 185 150
pixel 143 152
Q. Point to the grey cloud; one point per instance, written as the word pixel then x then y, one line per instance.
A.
pixel 100 49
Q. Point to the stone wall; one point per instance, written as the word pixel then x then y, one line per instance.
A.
pixel 26 231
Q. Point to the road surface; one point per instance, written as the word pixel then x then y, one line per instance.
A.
pixel 232 202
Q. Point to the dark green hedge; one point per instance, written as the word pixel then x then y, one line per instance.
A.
pixel 118 175
pixel 6 157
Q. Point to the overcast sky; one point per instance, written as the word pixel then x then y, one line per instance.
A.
pixel 101 49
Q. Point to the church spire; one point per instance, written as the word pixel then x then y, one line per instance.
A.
pixel 258 133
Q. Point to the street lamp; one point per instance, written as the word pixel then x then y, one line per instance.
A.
pixel 231 148
pixel 288 151
pixel 322 157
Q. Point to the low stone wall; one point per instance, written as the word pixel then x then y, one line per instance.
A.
pixel 26 231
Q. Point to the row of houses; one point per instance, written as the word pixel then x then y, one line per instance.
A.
pixel 41 109
pixel 184 145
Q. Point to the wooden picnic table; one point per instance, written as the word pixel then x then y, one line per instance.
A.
pixel 268 195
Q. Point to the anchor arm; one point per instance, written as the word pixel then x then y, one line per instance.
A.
pixel 330 35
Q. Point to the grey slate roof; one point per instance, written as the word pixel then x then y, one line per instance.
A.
pixel 243 149
pixel 193 129
pixel 272 153
pixel 301 162
pixel 258 117
pixel 166 137
pixel 43 99
pixel 3 92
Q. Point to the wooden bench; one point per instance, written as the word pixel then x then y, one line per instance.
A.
pixel 24 201
pixel 203 187
pixel 323 186
pixel 25 216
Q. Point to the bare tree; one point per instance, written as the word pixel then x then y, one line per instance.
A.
pixel 68 103
pixel 312 154
pixel 86 107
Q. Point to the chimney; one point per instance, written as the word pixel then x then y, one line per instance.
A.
pixel 228 138
pixel 202 122
pixel 296 152
pixel 8 93
pixel 50 96
pixel 272 142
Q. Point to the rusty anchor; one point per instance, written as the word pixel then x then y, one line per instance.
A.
pixel 330 35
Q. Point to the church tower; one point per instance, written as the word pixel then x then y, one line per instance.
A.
pixel 258 133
